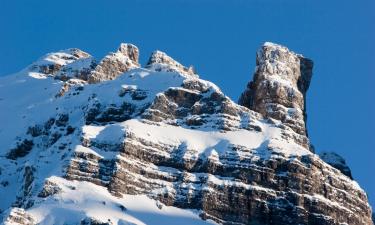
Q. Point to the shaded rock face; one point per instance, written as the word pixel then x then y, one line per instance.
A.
pixel 115 64
pixel 279 86
pixel 337 162
pixel 23 148
pixel 23 199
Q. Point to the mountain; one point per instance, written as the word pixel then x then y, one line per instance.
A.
pixel 109 142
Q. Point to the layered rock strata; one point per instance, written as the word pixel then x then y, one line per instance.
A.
pixel 115 64
pixel 278 89
pixel 162 132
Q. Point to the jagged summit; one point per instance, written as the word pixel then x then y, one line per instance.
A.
pixel 130 51
pixel 74 63
pixel 159 145
pixel 160 61
pixel 115 64
pixel 278 89
pixel 53 62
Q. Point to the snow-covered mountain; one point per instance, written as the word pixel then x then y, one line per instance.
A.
pixel 110 142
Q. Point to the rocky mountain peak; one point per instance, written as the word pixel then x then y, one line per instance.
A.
pixel 130 51
pixel 115 64
pixel 161 138
pixel 279 86
pixel 159 61
pixel 51 63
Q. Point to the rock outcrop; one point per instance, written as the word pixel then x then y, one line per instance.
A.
pixel 337 162
pixel 115 64
pixel 52 63
pixel 79 69
pixel 18 216
pixel 160 61
pixel 279 86
pixel 163 133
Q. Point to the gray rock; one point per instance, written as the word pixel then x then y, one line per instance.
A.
pixel 279 86
pixel 337 162
pixel 52 63
pixel 49 188
pixel 239 185
pixel 18 216
pixel 161 62
pixel 22 149
pixel 115 64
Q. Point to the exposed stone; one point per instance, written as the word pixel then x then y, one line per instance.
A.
pixel 279 86
pixel 49 188
pixel 161 62
pixel 18 216
pixel 77 84
pixel 51 63
pixel 62 120
pixel 92 221
pixel 23 199
pixel 79 69
pixel 337 162
pixel 115 64
pixel 303 190
pixel 22 149
pixel 111 113
pixel 227 183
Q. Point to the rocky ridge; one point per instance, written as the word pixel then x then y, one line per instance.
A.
pixel 162 132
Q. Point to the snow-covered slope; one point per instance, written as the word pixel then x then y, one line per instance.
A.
pixel 153 145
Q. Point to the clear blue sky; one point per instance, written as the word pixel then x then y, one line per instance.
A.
pixel 220 39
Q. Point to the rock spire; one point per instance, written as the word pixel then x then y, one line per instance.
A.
pixel 278 89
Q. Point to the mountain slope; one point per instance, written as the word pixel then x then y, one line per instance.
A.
pixel 113 143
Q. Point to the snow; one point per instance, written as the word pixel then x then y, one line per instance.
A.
pixel 79 200
pixel 207 141
pixel 62 57
pixel 80 148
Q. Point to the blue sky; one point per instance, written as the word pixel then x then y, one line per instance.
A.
pixel 220 39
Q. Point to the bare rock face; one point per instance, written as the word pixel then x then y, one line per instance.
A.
pixel 279 86
pixel 240 185
pixel 114 64
pixel 161 62
pixel 337 162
